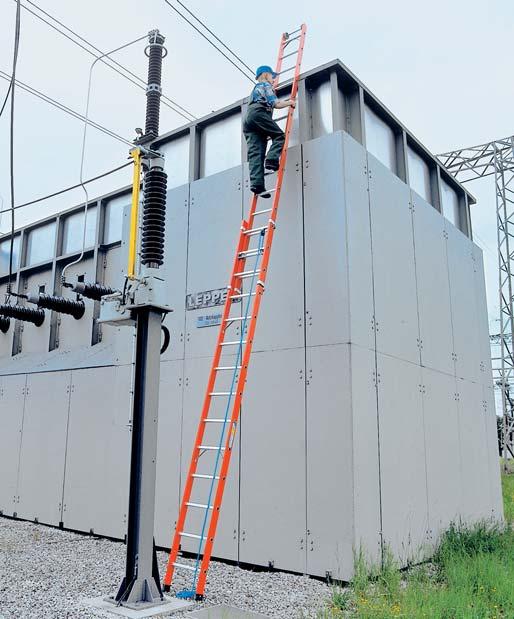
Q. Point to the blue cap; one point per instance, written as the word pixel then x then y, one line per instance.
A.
pixel 265 69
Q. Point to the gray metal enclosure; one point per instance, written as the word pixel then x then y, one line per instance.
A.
pixel 369 414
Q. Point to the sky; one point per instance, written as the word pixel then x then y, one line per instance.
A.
pixel 441 67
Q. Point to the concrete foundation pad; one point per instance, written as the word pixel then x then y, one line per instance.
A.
pixel 169 605
pixel 226 612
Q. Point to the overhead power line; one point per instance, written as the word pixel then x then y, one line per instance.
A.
pixel 65 108
pixel 215 36
pixel 109 62
pixel 17 28
pixel 174 8
pixel 61 191
pixel 6 98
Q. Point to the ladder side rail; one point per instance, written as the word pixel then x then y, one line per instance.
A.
pixel 236 284
pixel 221 450
pixel 283 160
pixel 280 59
pixel 243 242
pixel 229 441
pixel 247 353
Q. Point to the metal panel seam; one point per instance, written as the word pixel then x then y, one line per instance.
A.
pixel 450 298
pixel 381 533
pixel 183 382
pixel 70 387
pixel 21 439
pixel 306 468
pixel 344 205
pixel 412 212
pixel 423 395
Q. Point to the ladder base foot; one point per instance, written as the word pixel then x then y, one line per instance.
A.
pixel 187 595
pixel 199 597
pixel 166 588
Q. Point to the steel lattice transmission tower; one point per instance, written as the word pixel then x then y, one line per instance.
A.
pixel 467 164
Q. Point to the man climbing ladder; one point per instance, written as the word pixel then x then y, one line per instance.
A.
pixel 203 491
pixel 259 125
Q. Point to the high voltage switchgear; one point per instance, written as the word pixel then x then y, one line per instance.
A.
pixel 143 304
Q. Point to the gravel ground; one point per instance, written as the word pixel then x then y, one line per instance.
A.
pixel 46 573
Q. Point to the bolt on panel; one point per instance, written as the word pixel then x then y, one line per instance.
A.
pixel 12 401
pixel 360 259
pixel 443 447
pixel 365 446
pixel 402 458
pixel 330 475
pixel 281 316
pixel 435 317
pixel 98 451
pixel 273 452
pixel 476 484
pixel 486 371
pixel 174 271
pixel 326 259
pixel 43 447
pixel 396 312
pixel 214 221
pixel 493 452
pixel 464 309
pixel 169 447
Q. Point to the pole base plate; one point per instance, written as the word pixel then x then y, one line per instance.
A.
pixel 167 605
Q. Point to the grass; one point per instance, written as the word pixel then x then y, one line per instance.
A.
pixel 508 497
pixel 469 577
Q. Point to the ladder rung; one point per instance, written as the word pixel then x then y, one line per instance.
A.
pixel 290 54
pixel 286 70
pixel 246 275
pixel 249 275
pixel 211 448
pixel 199 505
pixel 238 342
pixel 254 231
pixel 280 118
pixel 221 393
pixel 184 567
pixel 236 318
pixel 295 31
pixel 240 296
pixel 294 38
pixel 199 476
pixel 211 420
pixel 228 367
pixel 192 535
pixel 266 210
pixel 251 252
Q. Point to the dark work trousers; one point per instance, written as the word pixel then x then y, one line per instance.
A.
pixel 257 127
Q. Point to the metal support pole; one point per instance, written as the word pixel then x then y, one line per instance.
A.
pixel 504 178
pixel 144 300
pixel 497 158
pixel 141 584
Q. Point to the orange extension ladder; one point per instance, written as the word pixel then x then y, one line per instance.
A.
pixel 253 274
